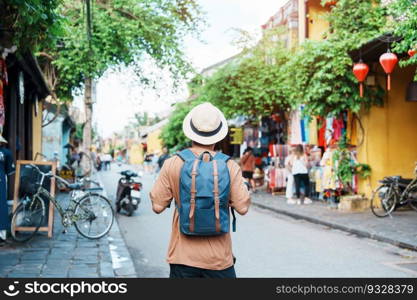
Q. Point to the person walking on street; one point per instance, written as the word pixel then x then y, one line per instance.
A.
pixel 289 191
pixel 107 158
pixel 147 161
pixel 163 157
pixel 199 179
pixel 248 166
pixel 299 168
pixel 7 168
pixel 154 161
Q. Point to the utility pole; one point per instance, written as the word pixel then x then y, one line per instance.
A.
pixel 88 84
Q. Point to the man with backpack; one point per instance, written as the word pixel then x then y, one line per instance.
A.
pixel 207 188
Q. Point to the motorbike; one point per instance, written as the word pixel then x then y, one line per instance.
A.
pixel 128 192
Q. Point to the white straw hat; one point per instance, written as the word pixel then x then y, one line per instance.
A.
pixel 205 124
pixel 2 139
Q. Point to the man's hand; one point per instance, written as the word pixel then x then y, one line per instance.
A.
pixel 158 208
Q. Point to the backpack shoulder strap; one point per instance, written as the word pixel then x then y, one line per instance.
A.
pixel 221 156
pixel 186 155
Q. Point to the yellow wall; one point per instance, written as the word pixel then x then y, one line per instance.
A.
pixel 301 21
pixel 390 139
pixel 37 130
pixel 317 25
pixel 154 142
pixel 136 154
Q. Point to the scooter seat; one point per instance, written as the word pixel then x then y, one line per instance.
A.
pixel 128 173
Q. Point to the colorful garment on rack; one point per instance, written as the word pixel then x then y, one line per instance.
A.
pixel 329 130
pixel 295 128
pixel 303 131
pixel 322 133
pixel 277 178
pixel 2 111
pixel 312 132
pixel 316 174
pixel 351 130
pixel 251 136
pixel 338 126
pixel 3 72
pixel 329 176
pixel 278 151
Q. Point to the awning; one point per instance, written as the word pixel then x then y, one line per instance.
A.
pixel 373 49
pixel 30 65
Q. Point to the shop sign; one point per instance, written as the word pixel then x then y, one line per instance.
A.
pixel 236 136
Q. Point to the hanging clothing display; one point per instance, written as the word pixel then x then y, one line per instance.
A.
pixel 329 176
pixel 329 130
pixel 351 129
pixel 280 151
pixel 277 178
pixel 251 136
pixel 6 168
pixel 295 128
pixel 322 133
pixel 2 111
pixel 313 132
pixel 338 127
pixel 3 83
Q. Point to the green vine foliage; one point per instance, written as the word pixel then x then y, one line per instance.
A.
pixel 347 166
pixel 251 84
pixel 322 79
pixel 124 32
pixel 318 74
pixel 30 24
pixel 404 14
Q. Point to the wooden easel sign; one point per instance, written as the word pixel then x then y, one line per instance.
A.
pixel 25 174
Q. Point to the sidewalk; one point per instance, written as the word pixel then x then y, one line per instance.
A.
pixel 400 230
pixel 68 255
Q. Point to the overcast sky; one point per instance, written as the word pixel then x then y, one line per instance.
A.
pixel 118 98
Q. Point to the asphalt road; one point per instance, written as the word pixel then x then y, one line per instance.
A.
pixel 265 244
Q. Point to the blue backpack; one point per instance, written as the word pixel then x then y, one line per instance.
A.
pixel 204 195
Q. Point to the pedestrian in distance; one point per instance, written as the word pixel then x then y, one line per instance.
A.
pixel 289 190
pixel 206 186
pixel 247 163
pixel 7 168
pixel 147 162
pixel 154 161
pixel 107 158
pixel 163 157
pixel 299 169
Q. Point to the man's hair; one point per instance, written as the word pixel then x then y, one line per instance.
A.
pixel 201 145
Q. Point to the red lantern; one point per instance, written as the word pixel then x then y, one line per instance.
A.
pixel 388 62
pixel 331 3
pixel 360 70
pixel 412 52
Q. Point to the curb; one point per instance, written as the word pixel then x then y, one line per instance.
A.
pixel 122 262
pixel 355 231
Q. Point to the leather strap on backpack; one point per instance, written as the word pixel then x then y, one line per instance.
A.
pixel 216 195
pixel 193 193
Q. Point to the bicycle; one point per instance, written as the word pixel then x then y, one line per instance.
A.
pixel 91 213
pixel 394 192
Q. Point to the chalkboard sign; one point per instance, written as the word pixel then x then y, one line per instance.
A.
pixel 26 176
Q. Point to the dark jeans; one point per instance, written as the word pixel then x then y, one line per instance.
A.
pixel 182 271
pixel 305 181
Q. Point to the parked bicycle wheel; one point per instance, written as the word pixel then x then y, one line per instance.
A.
pixel 93 216
pixel 412 194
pixel 29 213
pixel 383 201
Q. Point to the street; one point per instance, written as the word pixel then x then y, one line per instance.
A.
pixel 266 244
